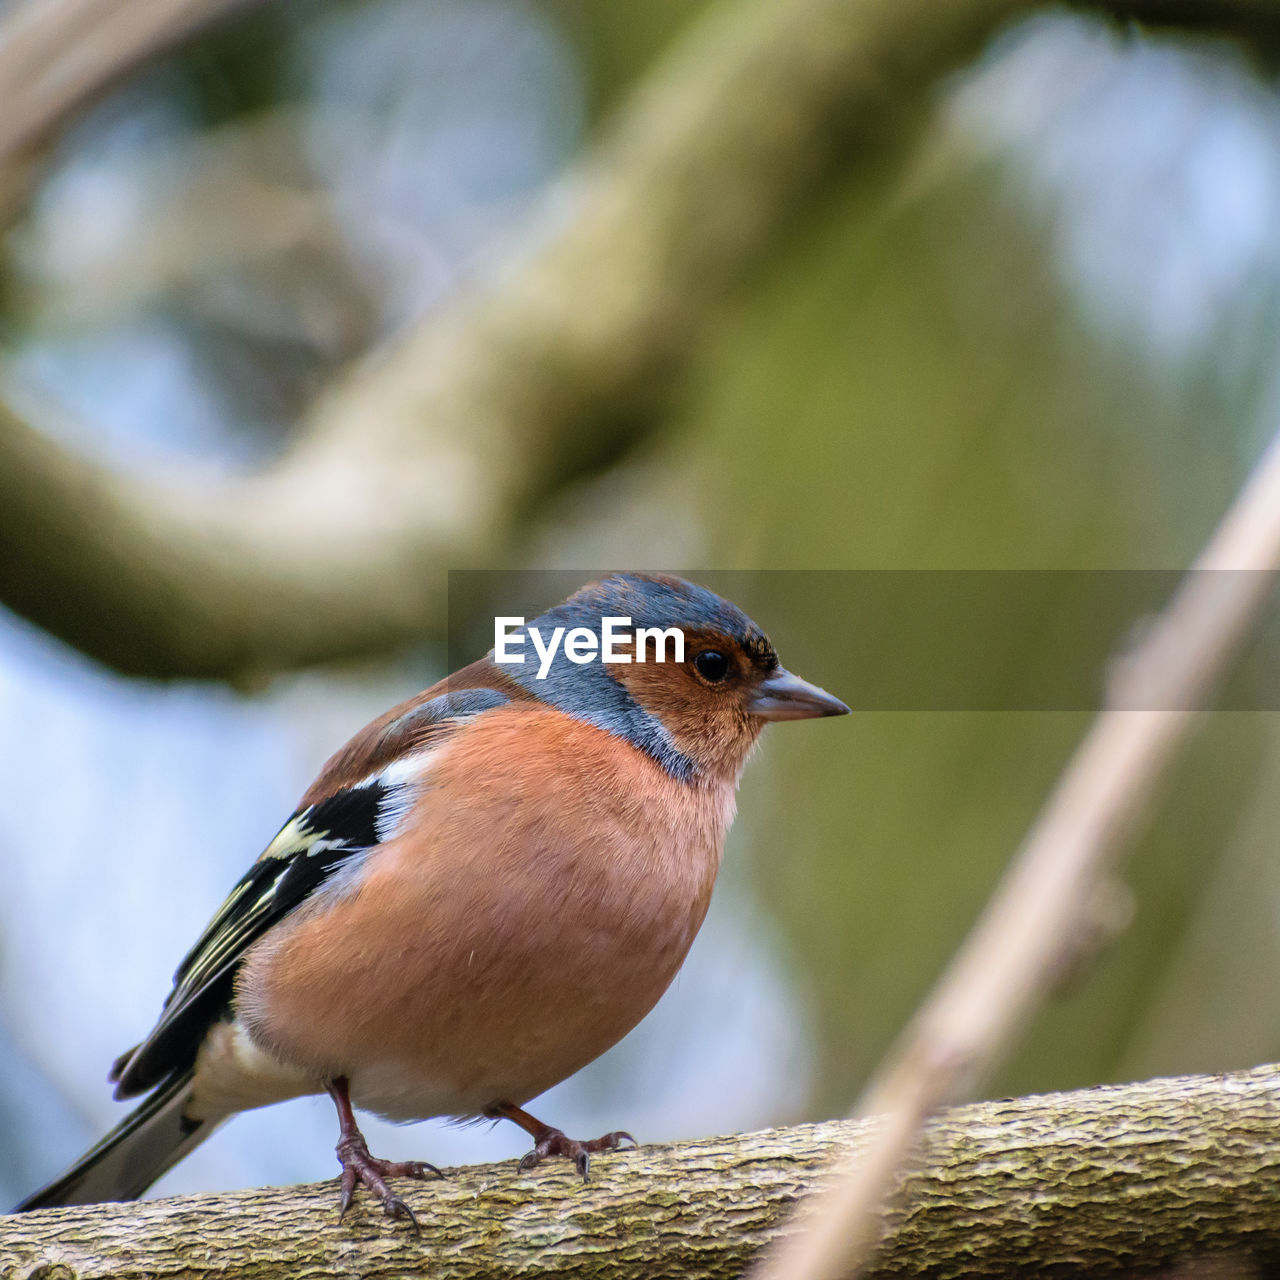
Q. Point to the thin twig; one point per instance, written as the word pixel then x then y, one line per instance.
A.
pixel 1044 903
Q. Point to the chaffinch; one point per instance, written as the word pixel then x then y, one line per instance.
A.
pixel 483 891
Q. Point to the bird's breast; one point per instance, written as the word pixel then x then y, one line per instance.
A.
pixel 539 901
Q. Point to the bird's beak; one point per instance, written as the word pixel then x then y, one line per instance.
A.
pixel 783 696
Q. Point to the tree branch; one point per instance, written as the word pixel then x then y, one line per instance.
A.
pixel 55 57
pixel 428 457
pixel 1102 1182
pixel 1042 918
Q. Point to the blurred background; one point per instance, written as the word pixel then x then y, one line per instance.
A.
pixel 1031 323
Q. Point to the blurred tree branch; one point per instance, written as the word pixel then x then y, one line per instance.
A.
pixel 429 455
pixel 1049 913
pixel 1105 1181
pixel 56 56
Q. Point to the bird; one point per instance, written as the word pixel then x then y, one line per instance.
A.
pixel 483 890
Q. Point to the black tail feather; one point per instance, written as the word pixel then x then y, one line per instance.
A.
pixel 148 1142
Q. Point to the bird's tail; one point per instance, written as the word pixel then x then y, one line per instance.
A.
pixel 148 1141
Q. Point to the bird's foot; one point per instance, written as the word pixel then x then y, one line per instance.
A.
pixel 552 1142
pixel 549 1142
pixel 358 1166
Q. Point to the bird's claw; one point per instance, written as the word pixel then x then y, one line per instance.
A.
pixel 554 1143
pixel 358 1166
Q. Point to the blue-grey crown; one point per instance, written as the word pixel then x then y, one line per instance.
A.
pixel 589 692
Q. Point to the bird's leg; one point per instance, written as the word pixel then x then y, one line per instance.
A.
pixel 552 1142
pixel 359 1166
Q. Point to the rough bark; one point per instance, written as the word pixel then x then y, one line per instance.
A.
pixel 1106 1181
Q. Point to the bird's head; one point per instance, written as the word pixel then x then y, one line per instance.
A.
pixel 700 714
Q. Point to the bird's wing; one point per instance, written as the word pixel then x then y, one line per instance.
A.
pixel 360 799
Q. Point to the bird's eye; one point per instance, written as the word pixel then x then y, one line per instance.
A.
pixel 712 666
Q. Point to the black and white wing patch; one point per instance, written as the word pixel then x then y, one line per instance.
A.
pixel 319 842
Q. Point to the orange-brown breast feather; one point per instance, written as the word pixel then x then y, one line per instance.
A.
pixel 544 895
